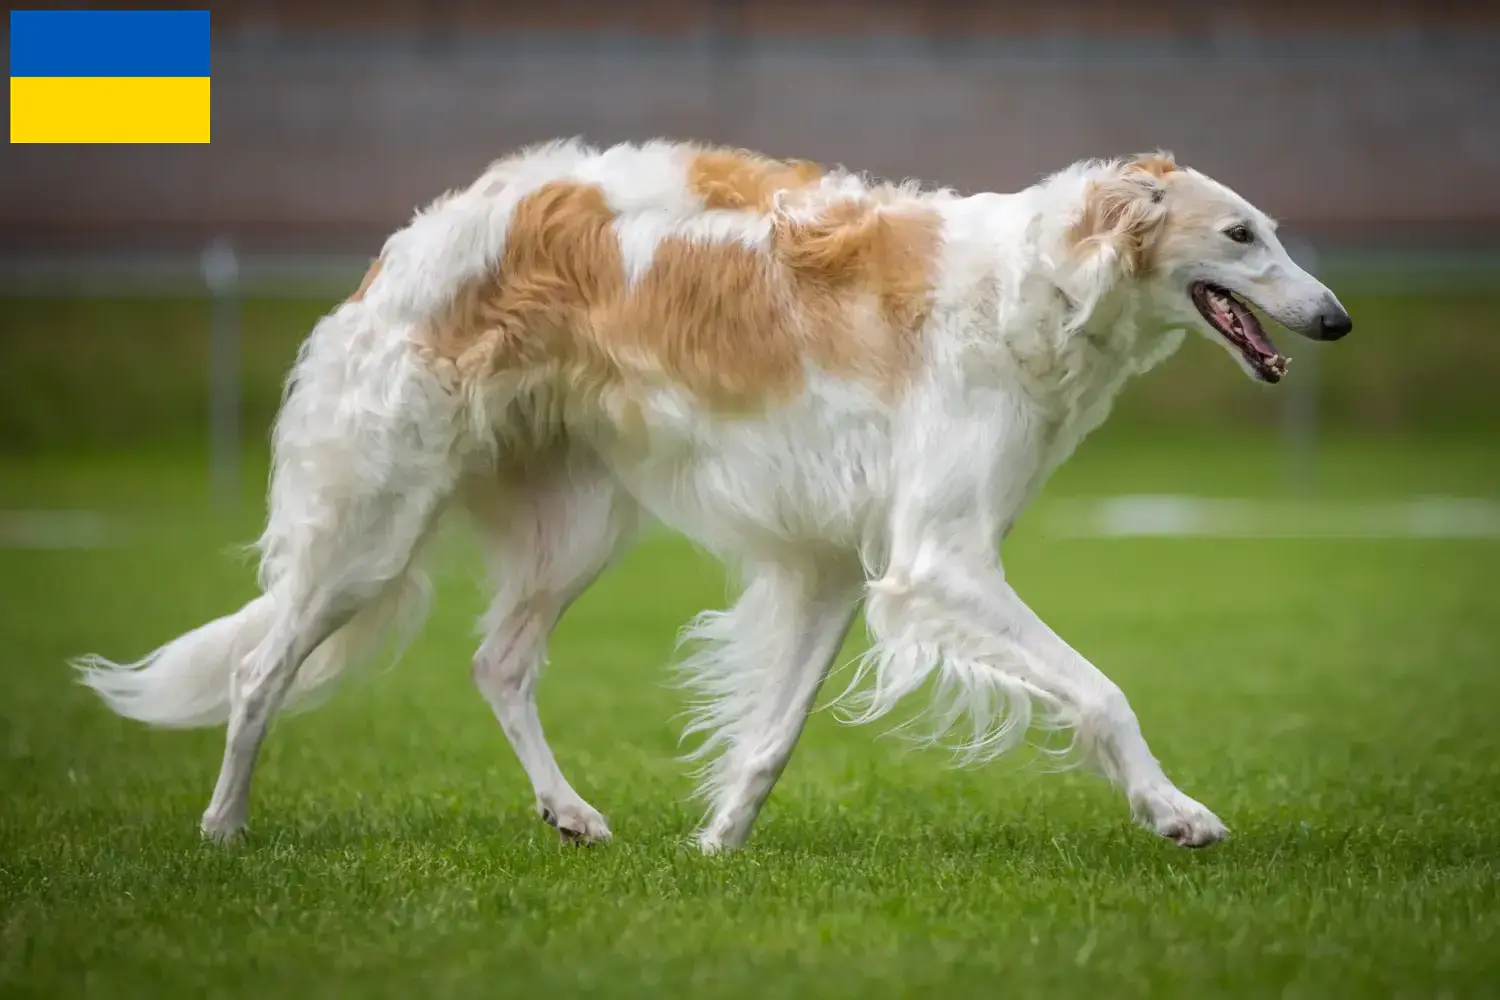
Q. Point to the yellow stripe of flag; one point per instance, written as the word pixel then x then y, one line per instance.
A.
pixel 109 109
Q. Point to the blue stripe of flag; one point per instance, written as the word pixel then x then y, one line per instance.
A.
pixel 72 43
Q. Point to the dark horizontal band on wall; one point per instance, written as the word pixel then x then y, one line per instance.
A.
pixel 1479 46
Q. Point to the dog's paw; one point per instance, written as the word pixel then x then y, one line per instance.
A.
pixel 1180 819
pixel 576 822
pixel 710 844
pixel 222 829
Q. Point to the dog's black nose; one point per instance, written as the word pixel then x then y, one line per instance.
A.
pixel 1334 324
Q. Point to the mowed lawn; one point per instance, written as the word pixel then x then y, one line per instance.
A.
pixel 1334 700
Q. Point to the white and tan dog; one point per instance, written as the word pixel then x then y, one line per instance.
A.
pixel 849 390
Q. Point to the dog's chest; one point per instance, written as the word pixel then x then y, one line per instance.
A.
pixel 1079 388
pixel 1087 370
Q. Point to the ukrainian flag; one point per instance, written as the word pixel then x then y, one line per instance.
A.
pixel 109 76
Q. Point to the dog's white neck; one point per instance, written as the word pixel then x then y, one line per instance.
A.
pixel 1075 328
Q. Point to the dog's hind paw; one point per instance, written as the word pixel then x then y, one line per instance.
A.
pixel 222 829
pixel 1180 819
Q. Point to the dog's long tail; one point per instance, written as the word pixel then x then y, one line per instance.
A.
pixel 185 683
pixel 361 463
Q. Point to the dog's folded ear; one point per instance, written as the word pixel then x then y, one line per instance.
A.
pixel 1115 230
pixel 1123 213
pixel 1158 164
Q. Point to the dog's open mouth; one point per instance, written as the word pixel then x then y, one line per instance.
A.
pixel 1237 324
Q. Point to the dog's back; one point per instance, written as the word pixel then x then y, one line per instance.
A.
pixel 719 274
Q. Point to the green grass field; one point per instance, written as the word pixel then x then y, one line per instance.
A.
pixel 1333 700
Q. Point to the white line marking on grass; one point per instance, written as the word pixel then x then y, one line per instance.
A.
pixel 52 529
pixel 1177 516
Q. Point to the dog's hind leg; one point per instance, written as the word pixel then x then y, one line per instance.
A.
pixel 549 532
pixel 358 578
pixel 758 675
pixel 366 452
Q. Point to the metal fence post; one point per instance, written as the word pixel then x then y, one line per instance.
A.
pixel 221 274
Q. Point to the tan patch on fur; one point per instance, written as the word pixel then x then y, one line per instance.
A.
pixel 741 180
pixel 848 290
pixel 561 262
pixel 713 317
pixel 364 283
pixel 855 254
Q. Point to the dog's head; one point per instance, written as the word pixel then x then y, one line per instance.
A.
pixel 1205 257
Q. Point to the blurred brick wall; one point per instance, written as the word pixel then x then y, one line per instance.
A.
pixel 333 119
pixel 844 18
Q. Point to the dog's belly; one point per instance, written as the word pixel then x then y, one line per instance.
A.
pixel 805 477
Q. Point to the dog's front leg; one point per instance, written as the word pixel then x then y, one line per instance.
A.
pixel 943 604
pixel 761 666
pixel 983 637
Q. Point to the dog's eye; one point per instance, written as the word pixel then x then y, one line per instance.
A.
pixel 1240 234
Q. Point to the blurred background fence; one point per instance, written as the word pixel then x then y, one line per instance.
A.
pixel 1372 130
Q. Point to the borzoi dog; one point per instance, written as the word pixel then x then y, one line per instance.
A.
pixel 848 390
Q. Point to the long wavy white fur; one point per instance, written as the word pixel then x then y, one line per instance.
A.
pixel 735 653
pixel 911 646
pixel 349 370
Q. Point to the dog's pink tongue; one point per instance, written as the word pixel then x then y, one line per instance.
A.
pixel 1254 335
